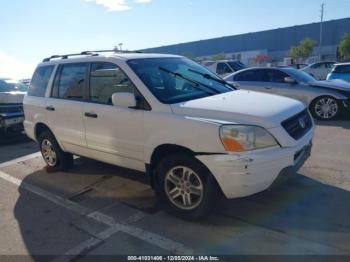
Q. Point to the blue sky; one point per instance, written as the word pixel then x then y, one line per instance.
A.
pixel 34 29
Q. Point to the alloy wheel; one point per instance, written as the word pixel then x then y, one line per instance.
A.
pixel 184 188
pixel 48 152
pixel 326 108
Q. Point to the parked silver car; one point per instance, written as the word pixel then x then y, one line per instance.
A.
pixel 325 99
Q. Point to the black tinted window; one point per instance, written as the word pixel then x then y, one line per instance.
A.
pixel 107 79
pixel 273 76
pixel 251 75
pixel 329 65
pixel 40 80
pixel 223 68
pixel 344 69
pixel 70 82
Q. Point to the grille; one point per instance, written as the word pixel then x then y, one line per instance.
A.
pixel 297 126
pixel 11 108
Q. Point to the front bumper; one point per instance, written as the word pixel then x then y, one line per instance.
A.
pixel 241 175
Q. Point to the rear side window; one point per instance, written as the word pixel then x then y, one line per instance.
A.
pixel 329 65
pixel 107 79
pixel 70 82
pixel 40 80
pixel 251 75
pixel 343 69
pixel 317 66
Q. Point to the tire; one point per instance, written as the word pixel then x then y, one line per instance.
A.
pixel 52 153
pixel 325 108
pixel 198 177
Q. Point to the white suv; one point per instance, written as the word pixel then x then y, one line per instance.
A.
pixel 193 134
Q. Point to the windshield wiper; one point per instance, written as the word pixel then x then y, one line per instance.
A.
pixel 207 76
pixel 196 83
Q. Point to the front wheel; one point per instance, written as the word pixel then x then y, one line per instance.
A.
pixel 325 108
pixel 185 186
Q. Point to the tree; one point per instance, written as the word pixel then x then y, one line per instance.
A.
pixel 220 56
pixel 303 50
pixel 344 46
pixel 260 58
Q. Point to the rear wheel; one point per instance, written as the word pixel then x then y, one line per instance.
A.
pixel 185 186
pixel 325 108
pixel 53 155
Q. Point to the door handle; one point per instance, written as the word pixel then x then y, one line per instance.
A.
pixel 50 108
pixel 268 87
pixel 90 114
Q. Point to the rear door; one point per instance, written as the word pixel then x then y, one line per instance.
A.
pixel 252 80
pixel 65 105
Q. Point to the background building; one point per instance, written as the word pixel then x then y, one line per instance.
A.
pixel 273 44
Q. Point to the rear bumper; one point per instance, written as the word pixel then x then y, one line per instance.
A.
pixel 246 174
pixel 11 122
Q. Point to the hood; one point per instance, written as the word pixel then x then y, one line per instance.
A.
pixel 242 107
pixel 11 97
pixel 333 84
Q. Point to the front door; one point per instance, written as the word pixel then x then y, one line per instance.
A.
pixel 114 134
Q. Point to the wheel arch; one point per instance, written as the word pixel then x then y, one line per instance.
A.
pixel 165 150
pixel 41 127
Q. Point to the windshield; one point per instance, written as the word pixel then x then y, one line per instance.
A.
pixel 8 85
pixel 300 76
pixel 174 80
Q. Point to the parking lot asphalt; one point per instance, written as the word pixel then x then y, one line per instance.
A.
pixel 97 209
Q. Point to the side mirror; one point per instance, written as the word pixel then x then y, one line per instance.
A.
pixel 127 100
pixel 290 80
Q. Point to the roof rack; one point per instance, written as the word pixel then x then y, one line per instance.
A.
pixel 91 53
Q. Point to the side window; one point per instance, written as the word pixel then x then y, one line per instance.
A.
pixel 223 68
pixel 342 69
pixel 266 75
pixel 278 76
pixel 40 80
pixel 70 82
pixel 329 65
pixel 107 79
pixel 251 75
pixel 316 66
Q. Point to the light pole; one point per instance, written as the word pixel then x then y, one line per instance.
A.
pixel 321 30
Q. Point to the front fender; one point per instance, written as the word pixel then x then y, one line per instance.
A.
pixel 194 134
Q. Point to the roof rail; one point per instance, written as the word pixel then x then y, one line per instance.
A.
pixel 68 55
pixel 91 53
pixel 114 51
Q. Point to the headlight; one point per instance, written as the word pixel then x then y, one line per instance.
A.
pixel 239 138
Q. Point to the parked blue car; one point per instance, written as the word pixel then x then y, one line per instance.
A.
pixel 340 71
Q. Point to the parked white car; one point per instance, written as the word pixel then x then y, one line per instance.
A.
pixel 319 70
pixel 194 135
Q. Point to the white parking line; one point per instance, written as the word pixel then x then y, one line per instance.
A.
pixel 20 159
pixel 167 244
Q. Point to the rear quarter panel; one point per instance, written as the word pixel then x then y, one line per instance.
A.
pixel 34 112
